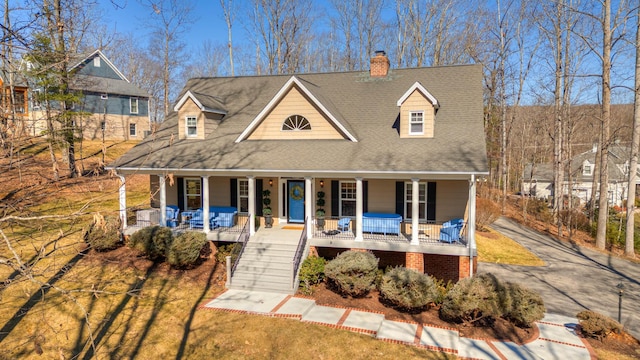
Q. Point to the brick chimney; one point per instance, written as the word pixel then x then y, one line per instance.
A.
pixel 379 64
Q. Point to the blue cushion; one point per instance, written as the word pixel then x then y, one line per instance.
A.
pixel 450 234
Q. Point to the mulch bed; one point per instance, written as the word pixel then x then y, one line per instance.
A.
pixel 501 329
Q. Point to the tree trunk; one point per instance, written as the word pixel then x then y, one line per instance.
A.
pixel 601 235
pixel 629 249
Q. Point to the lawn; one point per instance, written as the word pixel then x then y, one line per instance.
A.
pixel 497 248
pixel 65 302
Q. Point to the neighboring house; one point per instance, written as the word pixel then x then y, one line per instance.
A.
pixel 114 108
pixel 538 179
pixel 376 146
pixel 19 100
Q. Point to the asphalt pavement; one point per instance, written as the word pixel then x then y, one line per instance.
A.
pixel 574 278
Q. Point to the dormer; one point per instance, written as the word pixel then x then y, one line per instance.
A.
pixel 587 168
pixel 417 112
pixel 198 115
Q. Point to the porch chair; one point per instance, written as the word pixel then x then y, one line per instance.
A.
pixel 196 219
pixel 343 224
pixel 450 231
pixel 173 213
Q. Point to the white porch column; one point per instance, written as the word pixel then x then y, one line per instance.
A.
pixel 205 203
pixel 359 206
pixel 471 225
pixel 252 205
pixel 415 211
pixel 308 206
pixel 163 200
pixel 123 202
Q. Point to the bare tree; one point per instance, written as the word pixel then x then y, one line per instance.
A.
pixel 169 20
pixel 629 249
pixel 229 12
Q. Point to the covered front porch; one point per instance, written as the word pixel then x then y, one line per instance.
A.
pixel 373 212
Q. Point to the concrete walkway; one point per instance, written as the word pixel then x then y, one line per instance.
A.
pixel 557 339
pixel 574 278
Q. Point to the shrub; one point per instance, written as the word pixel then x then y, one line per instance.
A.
pixel 442 289
pixel 227 250
pixel 524 306
pixel 407 288
pixel 487 212
pixel 311 273
pixel 153 241
pixel 186 249
pixel 352 272
pixel 597 325
pixel 471 300
pixel 104 234
pixel 539 209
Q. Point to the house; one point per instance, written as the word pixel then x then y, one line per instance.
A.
pixel 393 153
pixel 16 103
pixel 538 178
pixel 113 108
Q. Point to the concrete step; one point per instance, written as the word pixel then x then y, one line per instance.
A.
pixel 259 278
pixel 269 253
pixel 262 267
pixel 264 287
pixel 266 257
pixel 274 246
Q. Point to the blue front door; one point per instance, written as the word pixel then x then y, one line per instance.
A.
pixel 296 201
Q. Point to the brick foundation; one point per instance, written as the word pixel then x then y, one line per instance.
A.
pixel 415 261
pixel 447 267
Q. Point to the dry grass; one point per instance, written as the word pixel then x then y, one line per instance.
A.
pixel 134 310
pixel 497 248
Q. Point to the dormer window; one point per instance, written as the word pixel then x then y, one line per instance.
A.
pixel 192 126
pixel 296 123
pixel 587 169
pixel 96 61
pixel 416 123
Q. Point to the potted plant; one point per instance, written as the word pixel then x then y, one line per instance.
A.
pixel 266 209
pixel 320 210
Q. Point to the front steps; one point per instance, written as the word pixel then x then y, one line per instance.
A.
pixel 266 265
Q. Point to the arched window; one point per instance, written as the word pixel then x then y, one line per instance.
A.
pixel 295 123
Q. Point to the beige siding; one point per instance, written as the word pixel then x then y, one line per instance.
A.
pixel 382 196
pixel 417 102
pixel 219 191
pixel 116 126
pixel 451 199
pixel 189 108
pixel 154 185
pixel 295 103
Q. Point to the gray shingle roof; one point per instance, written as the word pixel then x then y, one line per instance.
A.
pixel 106 85
pixel 365 106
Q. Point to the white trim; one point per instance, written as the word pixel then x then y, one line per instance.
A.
pixel 276 99
pixel 131 99
pixel 135 129
pixel 189 95
pixel 411 113
pixel 425 93
pixel 186 126
pixel 246 181
pixel 409 185
pixel 104 96
pixel 113 67
pixel 184 191
pixel 350 200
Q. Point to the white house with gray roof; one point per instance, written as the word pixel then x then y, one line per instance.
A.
pixel 538 178
pixel 391 156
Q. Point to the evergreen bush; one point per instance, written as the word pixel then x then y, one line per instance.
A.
pixel 227 250
pixel 104 234
pixel 352 273
pixel 153 241
pixel 524 307
pixel 311 273
pixel 407 288
pixel 596 325
pixel 471 300
pixel 186 248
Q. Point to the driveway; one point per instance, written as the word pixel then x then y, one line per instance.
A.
pixel 574 278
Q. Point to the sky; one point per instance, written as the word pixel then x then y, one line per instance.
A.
pixel 127 16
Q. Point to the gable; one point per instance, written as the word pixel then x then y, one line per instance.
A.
pixel 294 103
pixel 98 65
